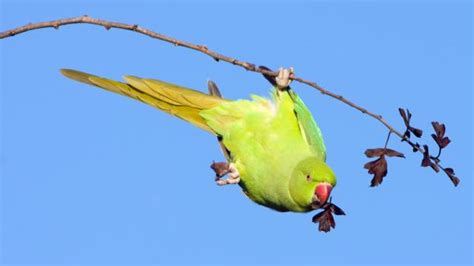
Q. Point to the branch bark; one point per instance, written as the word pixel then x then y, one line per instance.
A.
pixel 200 48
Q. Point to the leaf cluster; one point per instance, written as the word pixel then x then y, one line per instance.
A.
pixel 379 167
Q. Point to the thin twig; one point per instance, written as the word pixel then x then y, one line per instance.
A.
pixel 439 154
pixel 200 48
pixel 386 141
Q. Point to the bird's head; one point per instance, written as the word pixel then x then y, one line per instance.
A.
pixel 311 183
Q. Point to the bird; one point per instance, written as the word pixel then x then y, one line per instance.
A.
pixel 274 150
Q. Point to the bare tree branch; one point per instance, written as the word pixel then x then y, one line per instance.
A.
pixel 433 161
pixel 200 48
pixel 220 57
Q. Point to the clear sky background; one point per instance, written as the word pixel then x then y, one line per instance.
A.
pixel 93 177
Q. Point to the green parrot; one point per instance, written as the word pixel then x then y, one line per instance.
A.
pixel 275 150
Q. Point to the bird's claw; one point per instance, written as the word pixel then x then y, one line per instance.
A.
pixel 283 79
pixel 222 169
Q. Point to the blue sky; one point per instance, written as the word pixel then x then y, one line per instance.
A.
pixel 92 177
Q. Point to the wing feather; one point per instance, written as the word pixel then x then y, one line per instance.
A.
pixel 309 127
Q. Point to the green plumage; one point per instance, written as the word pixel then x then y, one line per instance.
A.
pixel 275 144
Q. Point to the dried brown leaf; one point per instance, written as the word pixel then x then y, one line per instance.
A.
pixel 377 152
pixel 336 210
pixel 406 115
pixel 406 118
pixel 426 157
pixel 416 131
pixel 441 141
pixel 326 219
pixel 374 152
pixel 416 147
pixel 450 172
pixel 439 128
pixel 439 138
pixel 394 153
pixel 378 168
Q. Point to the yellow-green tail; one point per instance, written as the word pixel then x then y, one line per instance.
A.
pixel 175 100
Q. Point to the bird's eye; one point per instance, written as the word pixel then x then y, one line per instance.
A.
pixel 308 178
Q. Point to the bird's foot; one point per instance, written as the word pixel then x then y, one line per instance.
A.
pixel 222 169
pixel 283 79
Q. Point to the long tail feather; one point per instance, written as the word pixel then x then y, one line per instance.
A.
pixel 175 100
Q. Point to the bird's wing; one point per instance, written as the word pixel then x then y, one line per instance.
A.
pixel 309 128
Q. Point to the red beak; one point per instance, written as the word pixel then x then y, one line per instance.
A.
pixel 323 191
